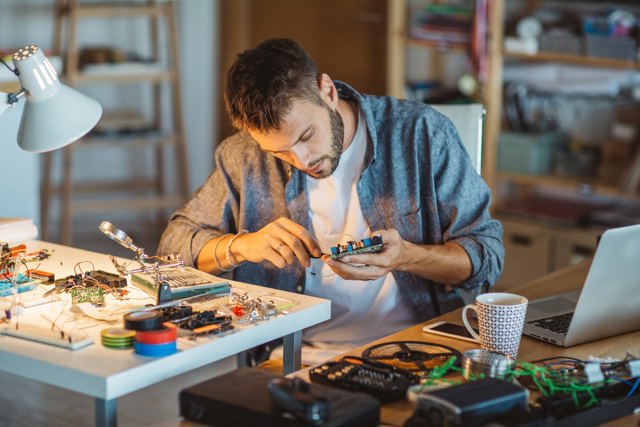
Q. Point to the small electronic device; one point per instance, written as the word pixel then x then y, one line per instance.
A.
pixel 472 403
pixel 367 376
pixel 247 397
pixel 450 330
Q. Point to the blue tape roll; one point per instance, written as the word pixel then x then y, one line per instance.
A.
pixel 155 350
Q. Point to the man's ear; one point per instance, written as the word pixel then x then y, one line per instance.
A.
pixel 328 91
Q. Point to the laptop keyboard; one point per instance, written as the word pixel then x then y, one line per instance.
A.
pixel 559 323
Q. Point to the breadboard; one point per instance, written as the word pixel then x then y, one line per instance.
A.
pixel 45 335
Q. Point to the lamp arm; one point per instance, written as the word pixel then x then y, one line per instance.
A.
pixel 8 99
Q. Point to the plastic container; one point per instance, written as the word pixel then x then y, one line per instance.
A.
pixel 605 46
pixel 530 153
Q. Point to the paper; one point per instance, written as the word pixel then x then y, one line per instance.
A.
pixel 17 230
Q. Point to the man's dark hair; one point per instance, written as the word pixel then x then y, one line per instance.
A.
pixel 264 81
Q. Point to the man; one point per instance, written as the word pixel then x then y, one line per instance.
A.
pixel 315 164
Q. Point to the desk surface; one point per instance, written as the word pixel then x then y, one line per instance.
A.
pixel 109 373
pixel 530 349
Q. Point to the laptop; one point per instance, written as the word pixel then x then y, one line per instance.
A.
pixel 608 303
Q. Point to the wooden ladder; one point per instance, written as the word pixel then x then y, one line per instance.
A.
pixel 141 193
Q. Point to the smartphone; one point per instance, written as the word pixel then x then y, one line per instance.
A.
pixel 450 330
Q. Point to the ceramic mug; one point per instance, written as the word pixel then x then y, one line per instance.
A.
pixel 500 321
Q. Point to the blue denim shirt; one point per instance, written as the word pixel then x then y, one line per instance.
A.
pixel 417 178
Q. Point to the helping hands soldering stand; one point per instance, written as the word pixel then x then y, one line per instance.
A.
pixel 171 261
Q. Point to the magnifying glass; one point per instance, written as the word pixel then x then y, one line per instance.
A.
pixel 119 236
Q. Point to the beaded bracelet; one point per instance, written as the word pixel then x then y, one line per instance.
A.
pixel 229 260
pixel 215 253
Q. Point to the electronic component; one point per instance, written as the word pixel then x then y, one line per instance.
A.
pixel 91 294
pixel 88 279
pixel 23 284
pixel 357 374
pixel 176 312
pixel 44 276
pixel 209 321
pixel 472 402
pixel 369 245
pixel 112 280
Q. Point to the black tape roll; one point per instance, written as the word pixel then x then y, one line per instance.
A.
pixel 143 320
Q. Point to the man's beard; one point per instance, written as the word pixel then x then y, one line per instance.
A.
pixel 337 137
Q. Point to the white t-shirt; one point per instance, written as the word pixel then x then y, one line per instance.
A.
pixel 361 311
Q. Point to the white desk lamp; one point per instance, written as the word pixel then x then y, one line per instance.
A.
pixel 54 114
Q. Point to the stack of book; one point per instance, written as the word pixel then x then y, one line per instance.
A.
pixel 17 230
pixel 442 24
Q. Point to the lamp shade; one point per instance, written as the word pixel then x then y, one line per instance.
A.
pixel 54 114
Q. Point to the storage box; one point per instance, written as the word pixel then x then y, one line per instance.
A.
pixel 605 46
pixel 530 153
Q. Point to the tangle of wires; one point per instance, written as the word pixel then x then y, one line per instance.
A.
pixel 567 384
pixel 91 285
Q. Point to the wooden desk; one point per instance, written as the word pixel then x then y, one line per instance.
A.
pixel 107 374
pixel 530 349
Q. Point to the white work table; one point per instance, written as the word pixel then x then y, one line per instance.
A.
pixel 107 374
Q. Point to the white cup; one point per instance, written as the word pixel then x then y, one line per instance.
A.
pixel 500 320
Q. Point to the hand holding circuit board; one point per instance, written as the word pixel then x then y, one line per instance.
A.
pixel 368 245
pixel 362 260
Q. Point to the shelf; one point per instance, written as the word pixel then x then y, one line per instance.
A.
pixel 124 73
pixel 101 10
pixel 132 140
pixel 140 203
pixel 439 45
pixel 590 61
pixel 105 187
pixel 579 185
pixel 113 121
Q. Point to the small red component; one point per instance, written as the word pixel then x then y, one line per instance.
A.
pixel 238 310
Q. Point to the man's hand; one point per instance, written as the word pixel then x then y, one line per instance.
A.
pixel 370 266
pixel 280 242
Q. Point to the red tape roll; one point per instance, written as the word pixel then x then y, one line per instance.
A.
pixel 161 336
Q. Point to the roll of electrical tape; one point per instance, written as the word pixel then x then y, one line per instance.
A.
pixel 155 350
pixel 167 334
pixel 117 338
pixel 143 320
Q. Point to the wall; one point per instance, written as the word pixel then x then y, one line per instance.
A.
pixel 31 21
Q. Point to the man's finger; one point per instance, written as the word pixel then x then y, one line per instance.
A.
pixel 302 234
